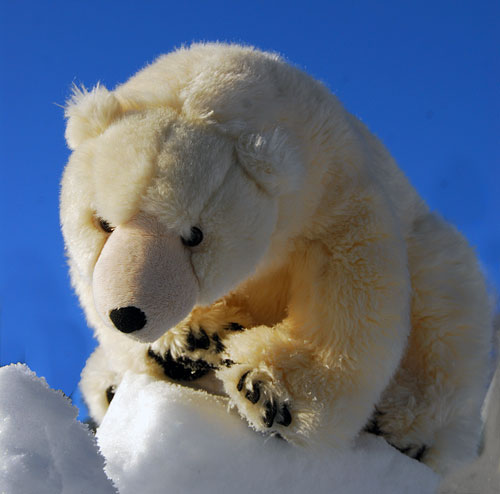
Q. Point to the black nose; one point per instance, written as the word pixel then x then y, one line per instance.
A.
pixel 128 319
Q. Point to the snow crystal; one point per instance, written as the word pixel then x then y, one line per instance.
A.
pixel 43 448
pixel 160 437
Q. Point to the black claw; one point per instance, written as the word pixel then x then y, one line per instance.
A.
pixel 241 382
pixel 270 413
pixel 219 346
pixel 405 451
pixel 110 393
pixel 373 428
pixel 285 416
pixel 421 453
pixel 202 341
pixel 182 369
pixel 191 341
pixel 253 395
pixel 234 326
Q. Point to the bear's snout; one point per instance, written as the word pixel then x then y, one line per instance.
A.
pixel 143 281
pixel 128 319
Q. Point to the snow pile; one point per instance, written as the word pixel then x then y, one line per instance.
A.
pixel 164 438
pixel 160 437
pixel 43 448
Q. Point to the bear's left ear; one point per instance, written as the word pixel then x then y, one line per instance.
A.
pixel 89 113
pixel 272 160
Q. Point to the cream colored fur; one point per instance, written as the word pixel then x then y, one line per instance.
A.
pixel 353 295
pixel 142 250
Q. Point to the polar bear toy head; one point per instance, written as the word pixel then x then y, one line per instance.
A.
pixel 164 207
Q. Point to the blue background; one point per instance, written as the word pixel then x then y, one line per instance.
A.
pixel 423 75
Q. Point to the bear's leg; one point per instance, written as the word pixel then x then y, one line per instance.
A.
pixel 315 376
pixel 262 383
pixel 434 400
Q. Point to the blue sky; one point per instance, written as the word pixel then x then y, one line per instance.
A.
pixel 424 76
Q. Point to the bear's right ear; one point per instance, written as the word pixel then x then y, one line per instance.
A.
pixel 89 113
pixel 272 160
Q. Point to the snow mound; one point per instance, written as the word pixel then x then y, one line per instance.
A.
pixel 43 448
pixel 164 438
pixel 160 437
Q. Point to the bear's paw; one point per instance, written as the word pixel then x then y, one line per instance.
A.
pixel 259 397
pixel 197 345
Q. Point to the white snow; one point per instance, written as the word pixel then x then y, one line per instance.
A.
pixel 483 475
pixel 43 448
pixel 159 437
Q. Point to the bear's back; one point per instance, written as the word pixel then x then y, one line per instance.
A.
pixel 242 88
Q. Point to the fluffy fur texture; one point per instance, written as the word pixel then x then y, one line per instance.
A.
pixel 327 297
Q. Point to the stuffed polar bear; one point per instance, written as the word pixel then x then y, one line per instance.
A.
pixel 230 225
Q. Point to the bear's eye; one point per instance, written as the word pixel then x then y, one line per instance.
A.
pixel 194 239
pixel 103 225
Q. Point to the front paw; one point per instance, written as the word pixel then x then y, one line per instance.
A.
pixel 194 342
pixel 189 351
pixel 260 398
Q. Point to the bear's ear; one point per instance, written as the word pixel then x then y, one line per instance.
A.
pixel 89 113
pixel 272 160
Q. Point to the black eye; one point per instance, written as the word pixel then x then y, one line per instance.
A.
pixel 104 225
pixel 194 239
